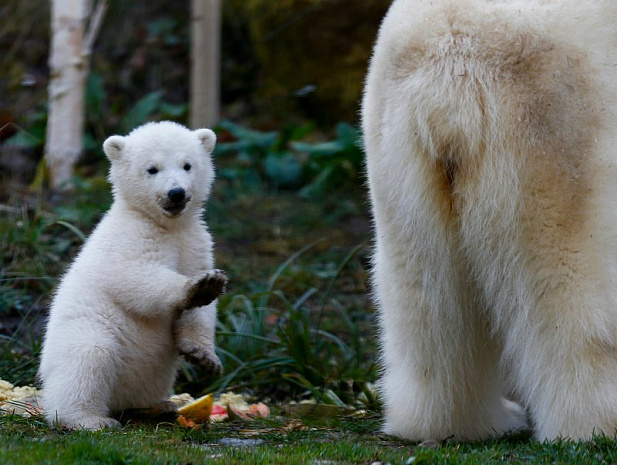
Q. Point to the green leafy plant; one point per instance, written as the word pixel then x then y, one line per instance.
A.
pixel 285 162
pixel 333 163
pixel 149 105
pixel 270 343
pixel 33 136
pixel 262 155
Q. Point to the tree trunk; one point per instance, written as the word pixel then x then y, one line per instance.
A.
pixel 66 90
pixel 205 62
pixel 70 51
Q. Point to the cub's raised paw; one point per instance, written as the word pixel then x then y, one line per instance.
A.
pixel 204 289
pixel 204 358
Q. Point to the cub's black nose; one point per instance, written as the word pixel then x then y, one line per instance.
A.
pixel 177 195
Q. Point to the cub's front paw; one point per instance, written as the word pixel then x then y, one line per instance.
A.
pixel 204 289
pixel 203 357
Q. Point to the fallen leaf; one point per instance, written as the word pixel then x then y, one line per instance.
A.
pixel 293 425
pixel 315 410
pixel 255 432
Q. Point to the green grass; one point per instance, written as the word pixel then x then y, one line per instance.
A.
pixel 265 442
pixel 279 440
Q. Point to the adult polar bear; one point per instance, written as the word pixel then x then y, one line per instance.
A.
pixel 490 129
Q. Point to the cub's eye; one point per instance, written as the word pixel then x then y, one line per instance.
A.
pixel 153 170
pixel 187 167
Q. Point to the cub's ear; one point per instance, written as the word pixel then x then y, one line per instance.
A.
pixel 113 147
pixel 207 138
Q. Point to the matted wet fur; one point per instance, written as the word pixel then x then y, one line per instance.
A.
pixel 490 129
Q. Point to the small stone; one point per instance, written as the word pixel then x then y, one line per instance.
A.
pixel 429 444
pixel 237 442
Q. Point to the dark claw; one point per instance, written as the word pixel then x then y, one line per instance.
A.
pixel 196 357
pixel 207 289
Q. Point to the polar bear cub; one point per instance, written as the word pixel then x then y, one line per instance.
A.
pixel 143 287
pixel 490 129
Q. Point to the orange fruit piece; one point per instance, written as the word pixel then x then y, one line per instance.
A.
pixel 199 410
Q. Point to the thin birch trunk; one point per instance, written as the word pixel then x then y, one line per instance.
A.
pixel 70 50
pixel 205 62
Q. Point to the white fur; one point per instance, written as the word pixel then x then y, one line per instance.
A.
pixel 112 338
pixel 490 129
